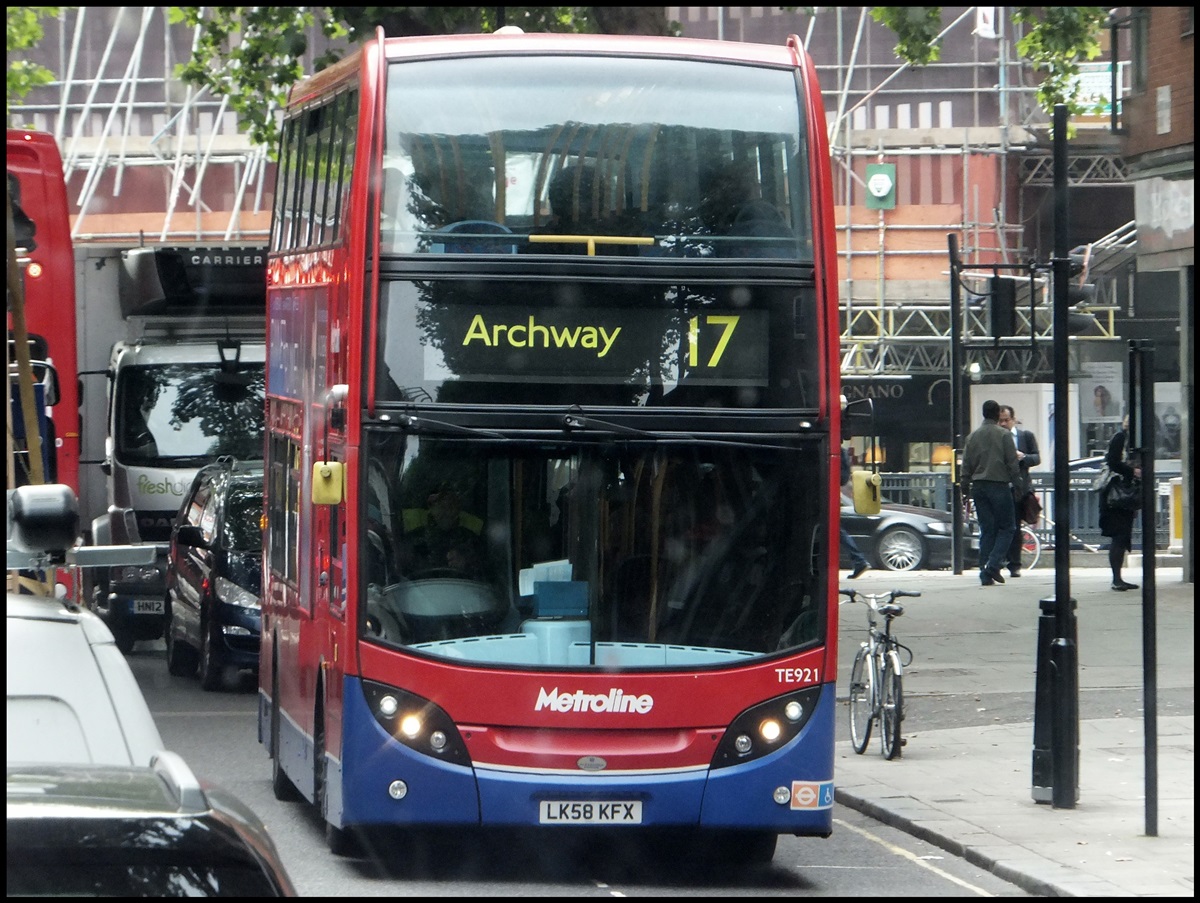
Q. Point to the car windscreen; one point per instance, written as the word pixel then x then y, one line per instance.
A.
pixel 243 518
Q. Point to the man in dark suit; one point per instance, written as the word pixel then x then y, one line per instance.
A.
pixel 1027 457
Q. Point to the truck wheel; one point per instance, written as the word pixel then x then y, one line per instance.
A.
pixel 181 657
pixel 123 634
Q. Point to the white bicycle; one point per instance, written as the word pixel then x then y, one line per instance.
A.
pixel 877 676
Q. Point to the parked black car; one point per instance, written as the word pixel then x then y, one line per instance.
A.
pixel 134 831
pixel 214 574
pixel 901 537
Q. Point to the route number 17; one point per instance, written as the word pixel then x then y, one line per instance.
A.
pixel 727 322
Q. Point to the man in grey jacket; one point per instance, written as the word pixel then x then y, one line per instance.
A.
pixel 989 474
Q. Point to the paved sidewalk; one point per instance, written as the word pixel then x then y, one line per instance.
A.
pixel 968 789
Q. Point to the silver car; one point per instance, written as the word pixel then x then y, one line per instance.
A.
pixel 89 782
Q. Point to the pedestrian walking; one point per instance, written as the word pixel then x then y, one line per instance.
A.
pixel 1027 457
pixel 1117 523
pixel 990 473
pixel 858 561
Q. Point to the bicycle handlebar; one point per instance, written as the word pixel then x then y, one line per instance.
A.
pixel 854 595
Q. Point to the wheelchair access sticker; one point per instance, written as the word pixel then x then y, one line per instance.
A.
pixel 812 795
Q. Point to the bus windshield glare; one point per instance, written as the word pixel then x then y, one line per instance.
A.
pixel 648 159
pixel 636 554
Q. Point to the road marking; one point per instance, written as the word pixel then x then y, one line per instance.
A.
pixel 899 851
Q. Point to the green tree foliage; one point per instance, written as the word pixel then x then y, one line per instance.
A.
pixel 1056 40
pixel 252 56
pixel 915 28
pixel 25 31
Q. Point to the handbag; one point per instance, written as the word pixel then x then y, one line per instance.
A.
pixel 1031 508
pixel 1121 494
pixel 1102 479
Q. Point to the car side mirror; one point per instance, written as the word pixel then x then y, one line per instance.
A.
pixel 190 535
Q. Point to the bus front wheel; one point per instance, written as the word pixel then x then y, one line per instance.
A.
pixel 281 785
pixel 341 841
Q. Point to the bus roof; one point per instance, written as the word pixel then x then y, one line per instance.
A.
pixel 785 55
pixel 780 55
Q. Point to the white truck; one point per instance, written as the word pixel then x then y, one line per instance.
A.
pixel 178 335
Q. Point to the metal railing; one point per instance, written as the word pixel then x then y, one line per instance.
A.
pixel 932 490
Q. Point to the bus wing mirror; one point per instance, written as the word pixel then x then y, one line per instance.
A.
pixel 866 492
pixel 328 482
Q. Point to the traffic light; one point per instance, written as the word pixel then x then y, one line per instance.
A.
pixel 1003 298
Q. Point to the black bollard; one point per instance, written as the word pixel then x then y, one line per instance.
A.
pixel 1043 702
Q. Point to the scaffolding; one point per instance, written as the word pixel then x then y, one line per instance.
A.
pixel 148 158
pixel 901 326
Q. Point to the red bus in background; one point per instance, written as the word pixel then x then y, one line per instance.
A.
pixel 552 457
pixel 47 260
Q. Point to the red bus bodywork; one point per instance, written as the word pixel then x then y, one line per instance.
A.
pixel 532 734
pixel 49 284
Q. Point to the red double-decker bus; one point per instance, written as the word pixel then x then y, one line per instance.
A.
pixel 42 237
pixel 552 440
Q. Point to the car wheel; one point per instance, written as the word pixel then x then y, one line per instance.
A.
pixel 212 670
pixel 181 657
pixel 900 549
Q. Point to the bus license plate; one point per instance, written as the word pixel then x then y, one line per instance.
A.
pixel 147 606
pixel 589 812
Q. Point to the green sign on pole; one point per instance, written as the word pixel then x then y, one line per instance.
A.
pixel 881 186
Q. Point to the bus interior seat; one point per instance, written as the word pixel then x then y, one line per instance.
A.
pixel 767 232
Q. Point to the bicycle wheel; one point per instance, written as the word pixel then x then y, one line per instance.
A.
pixel 861 700
pixel 1031 548
pixel 891 707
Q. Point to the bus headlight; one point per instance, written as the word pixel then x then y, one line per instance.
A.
pixel 766 727
pixel 770 730
pixel 416 722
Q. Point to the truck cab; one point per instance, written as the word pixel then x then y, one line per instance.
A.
pixel 188 389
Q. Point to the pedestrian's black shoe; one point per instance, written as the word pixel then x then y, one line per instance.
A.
pixel 985 578
pixel 1120 586
pixel 859 570
pixel 1014 572
pixel 996 575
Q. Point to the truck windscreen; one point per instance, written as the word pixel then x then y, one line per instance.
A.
pixel 181 413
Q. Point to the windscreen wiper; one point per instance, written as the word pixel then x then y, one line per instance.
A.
pixel 415 424
pixel 575 420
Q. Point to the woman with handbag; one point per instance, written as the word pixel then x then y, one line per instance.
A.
pixel 1115 522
